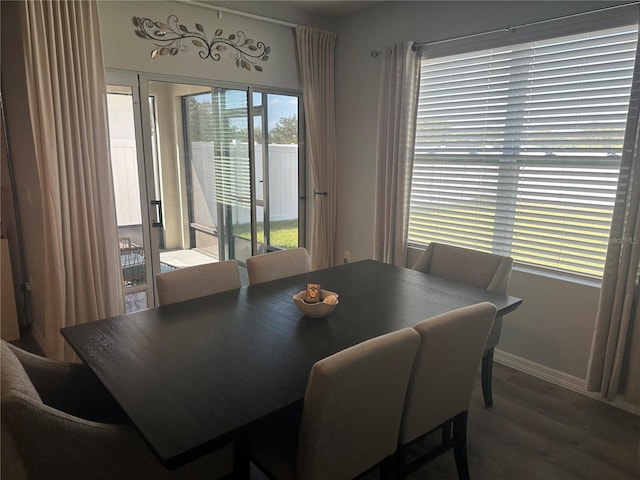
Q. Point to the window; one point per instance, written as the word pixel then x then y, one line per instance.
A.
pixel 518 148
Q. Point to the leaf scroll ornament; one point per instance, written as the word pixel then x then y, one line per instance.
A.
pixel 172 37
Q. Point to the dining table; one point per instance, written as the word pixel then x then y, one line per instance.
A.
pixel 195 375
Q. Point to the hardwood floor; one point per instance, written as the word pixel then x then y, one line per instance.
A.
pixel 534 431
pixel 539 431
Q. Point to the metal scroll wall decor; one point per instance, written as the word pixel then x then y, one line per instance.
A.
pixel 172 37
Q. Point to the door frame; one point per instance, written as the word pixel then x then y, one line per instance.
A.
pixel 127 79
pixel 139 82
pixel 302 164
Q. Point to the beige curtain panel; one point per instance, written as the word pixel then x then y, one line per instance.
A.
pixel 67 106
pixel 316 62
pixel 614 363
pixel 397 105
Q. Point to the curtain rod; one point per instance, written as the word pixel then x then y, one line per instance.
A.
pixel 375 53
pixel 236 12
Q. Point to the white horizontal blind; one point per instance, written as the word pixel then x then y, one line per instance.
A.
pixel 518 148
pixel 231 145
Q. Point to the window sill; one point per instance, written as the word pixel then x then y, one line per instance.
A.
pixel 565 277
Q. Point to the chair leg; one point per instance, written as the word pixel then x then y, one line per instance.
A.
pixel 399 463
pixel 241 459
pixel 460 445
pixel 388 468
pixel 487 368
pixel 446 433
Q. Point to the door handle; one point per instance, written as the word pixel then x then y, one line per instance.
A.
pixel 157 221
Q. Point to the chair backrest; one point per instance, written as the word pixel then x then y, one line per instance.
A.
pixel 13 376
pixel 41 441
pixel 274 265
pixel 198 281
pixel 471 267
pixel 353 405
pixel 451 347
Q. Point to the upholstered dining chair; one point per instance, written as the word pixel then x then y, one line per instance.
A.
pixel 280 264
pixel 54 427
pixel 197 281
pixel 439 392
pixel 478 269
pixel 350 417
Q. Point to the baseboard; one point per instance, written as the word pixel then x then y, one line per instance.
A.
pixel 556 377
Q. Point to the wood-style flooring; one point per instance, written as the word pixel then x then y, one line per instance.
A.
pixel 539 431
pixel 534 431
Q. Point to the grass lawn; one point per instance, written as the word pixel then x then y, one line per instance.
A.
pixel 284 233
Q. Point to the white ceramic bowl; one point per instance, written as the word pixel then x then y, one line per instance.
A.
pixel 315 310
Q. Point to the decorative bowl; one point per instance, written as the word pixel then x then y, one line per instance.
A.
pixel 320 309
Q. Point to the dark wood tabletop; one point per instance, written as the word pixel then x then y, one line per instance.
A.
pixel 192 374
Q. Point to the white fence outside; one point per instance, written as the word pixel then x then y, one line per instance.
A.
pixel 283 182
pixel 124 167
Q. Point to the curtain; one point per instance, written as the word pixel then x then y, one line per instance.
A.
pixel 316 63
pixel 397 106
pixel 614 362
pixel 67 105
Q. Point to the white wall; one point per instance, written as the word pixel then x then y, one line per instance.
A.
pixel 555 324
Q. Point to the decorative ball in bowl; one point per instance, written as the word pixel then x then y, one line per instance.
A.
pixel 328 302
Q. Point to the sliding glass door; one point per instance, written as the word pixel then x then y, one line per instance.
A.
pixel 218 172
pixel 278 170
pixel 221 176
pixel 127 167
pixel 201 193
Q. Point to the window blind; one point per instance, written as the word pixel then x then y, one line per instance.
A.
pixel 518 148
pixel 231 145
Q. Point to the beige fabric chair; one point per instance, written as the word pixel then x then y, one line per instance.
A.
pixel 477 269
pixel 193 282
pixel 53 428
pixel 351 413
pixel 451 347
pixel 274 265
